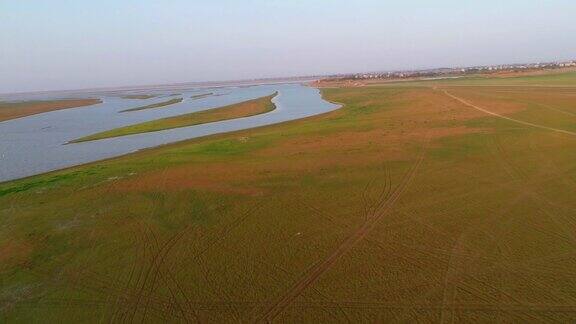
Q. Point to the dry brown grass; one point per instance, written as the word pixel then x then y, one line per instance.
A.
pixel 22 109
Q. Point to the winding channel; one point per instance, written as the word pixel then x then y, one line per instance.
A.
pixel 35 144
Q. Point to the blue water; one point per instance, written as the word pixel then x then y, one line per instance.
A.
pixel 35 144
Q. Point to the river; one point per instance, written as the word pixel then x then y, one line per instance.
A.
pixel 36 144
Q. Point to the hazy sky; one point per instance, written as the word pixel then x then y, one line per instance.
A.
pixel 69 44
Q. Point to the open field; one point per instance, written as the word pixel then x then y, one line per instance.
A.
pixel 565 77
pixel 156 105
pixel 12 110
pixel 543 80
pixel 415 202
pixel 243 109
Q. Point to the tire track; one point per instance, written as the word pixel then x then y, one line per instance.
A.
pixel 378 210
pixel 519 175
pixel 453 275
pixel 506 117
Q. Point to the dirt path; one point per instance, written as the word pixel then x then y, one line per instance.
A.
pixel 505 117
pixel 275 308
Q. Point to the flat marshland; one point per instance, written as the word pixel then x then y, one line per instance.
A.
pixel 415 202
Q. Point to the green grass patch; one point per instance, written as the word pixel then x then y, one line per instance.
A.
pixel 201 96
pixel 156 105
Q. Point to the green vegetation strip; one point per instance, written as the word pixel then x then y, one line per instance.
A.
pixel 138 96
pixel 201 96
pixel 156 105
pixel 243 109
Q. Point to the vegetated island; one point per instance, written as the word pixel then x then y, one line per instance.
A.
pixel 12 110
pixel 156 105
pixel 143 96
pixel 201 96
pixel 243 109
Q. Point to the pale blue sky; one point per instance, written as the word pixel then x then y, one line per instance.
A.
pixel 70 44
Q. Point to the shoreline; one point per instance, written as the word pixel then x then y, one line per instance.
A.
pixel 335 107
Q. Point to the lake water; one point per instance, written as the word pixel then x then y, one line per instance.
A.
pixel 35 144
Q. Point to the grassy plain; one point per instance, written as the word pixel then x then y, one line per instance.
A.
pixel 243 109
pixel 156 105
pixel 567 79
pixel 406 205
pixel 12 110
